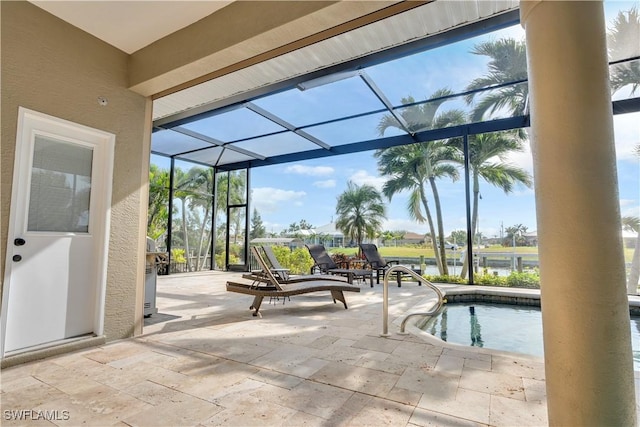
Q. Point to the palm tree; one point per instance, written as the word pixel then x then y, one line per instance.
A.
pixel 233 184
pixel 186 185
pixel 622 43
pixel 360 212
pixel 158 212
pixel 487 154
pixel 202 198
pixel 386 236
pixel 515 235
pixel 508 63
pixel 411 166
pixel 632 223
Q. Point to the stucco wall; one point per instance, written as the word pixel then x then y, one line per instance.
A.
pixel 54 68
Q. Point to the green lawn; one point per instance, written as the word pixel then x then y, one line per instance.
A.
pixel 413 252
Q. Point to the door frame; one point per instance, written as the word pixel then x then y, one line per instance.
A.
pixel 31 122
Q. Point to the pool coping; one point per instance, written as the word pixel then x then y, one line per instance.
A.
pixel 467 293
pixel 475 293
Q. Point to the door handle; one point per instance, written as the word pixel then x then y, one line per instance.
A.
pixel 17 258
pixel 19 241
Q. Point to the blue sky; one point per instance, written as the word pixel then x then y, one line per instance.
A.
pixel 308 190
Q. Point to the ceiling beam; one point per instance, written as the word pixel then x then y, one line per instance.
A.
pixel 245 33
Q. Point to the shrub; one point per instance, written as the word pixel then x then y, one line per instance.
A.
pixel 220 260
pixel 489 280
pixel 298 261
pixel 446 279
pixel 341 260
pixel 524 280
pixel 235 251
pixel 177 255
pixel 527 279
pixel 282 254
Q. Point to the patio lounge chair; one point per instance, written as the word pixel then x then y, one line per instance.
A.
pixel 276 268
pixel 275 289
pixel 378 263
pixel 324 264
pixel 281 273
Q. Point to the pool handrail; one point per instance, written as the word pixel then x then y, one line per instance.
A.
pixel 385 296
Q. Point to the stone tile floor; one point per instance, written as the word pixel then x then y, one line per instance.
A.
pixel 204 360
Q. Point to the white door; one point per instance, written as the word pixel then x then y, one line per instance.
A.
pixel 57 240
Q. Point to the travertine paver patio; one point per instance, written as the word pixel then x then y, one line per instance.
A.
pixel 204 360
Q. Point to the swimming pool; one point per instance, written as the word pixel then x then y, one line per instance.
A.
pixel 504 327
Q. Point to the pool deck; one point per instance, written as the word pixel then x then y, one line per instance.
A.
pixel 205 360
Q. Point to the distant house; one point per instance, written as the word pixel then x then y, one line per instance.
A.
pixel 328 235
pixel 411 238
pixel 530 238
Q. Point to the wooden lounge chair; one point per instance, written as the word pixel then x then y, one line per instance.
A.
pixel 281 274
pixel 326 265
pixel 275 289
pixel 378 263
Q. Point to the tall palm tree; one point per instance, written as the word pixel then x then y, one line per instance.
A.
pixel 632 223
pixel 411 166
pixel 622 43
pixel 360 212
pixel 202 199
pixel 233 184
pixel 186 185
pixel 507 63
pixel 487 161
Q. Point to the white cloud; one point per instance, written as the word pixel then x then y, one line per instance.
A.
pixel 361 177
pixel 629 207
pixel 522 191
pixel 329 183
pixel 310 170
pixel 273 227
pixel 268 199
pixel 627 135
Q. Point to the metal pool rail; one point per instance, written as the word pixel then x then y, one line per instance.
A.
pixel 385 296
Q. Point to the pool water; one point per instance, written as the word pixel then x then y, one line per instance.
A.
pixel 504 327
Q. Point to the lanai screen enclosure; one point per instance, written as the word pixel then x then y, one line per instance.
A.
pixel 465 87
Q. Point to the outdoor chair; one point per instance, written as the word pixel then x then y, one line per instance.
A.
pixel 270 263
pixel 279 271
pixel 378 263
pixel 326 265
pixel 276 289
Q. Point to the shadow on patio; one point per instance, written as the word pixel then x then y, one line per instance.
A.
pixel 305 362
